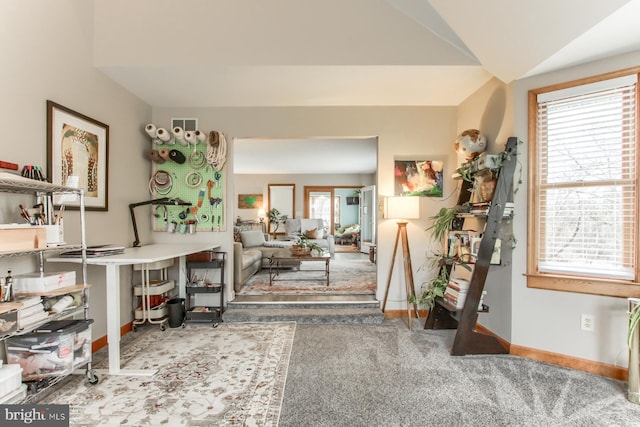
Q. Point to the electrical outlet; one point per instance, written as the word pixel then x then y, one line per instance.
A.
pixel 586 323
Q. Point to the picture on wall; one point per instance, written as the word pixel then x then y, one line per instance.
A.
pixel 249 201
pixel 78 155
pixel 418 178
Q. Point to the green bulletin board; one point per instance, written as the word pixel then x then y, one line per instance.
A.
pixel 194 181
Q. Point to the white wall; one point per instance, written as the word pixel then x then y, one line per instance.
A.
pixel 550 320
pixel 490 109
pixel 402 131
pixel 47 54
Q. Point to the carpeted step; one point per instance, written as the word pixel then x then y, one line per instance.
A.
pixel 306 315
pixel 304 305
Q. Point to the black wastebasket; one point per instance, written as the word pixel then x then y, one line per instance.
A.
pixel 176 312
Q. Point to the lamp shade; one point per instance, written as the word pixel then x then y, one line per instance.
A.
pixel 261 213
pixel 402 207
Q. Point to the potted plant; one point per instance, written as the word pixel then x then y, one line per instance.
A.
pixel 303 246
pixel 276 218
pixel 433 289
pixel 633 342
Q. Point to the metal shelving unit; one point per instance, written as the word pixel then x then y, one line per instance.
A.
pixel 20 185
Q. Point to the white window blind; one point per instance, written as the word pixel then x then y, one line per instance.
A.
pixel 587 200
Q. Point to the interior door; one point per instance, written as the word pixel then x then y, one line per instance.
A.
pixel 367 218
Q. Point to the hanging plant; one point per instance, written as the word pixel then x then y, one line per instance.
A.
pixel 442 222
pixel 466 171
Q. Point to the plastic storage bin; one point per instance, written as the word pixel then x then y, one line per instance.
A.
pixel 54 349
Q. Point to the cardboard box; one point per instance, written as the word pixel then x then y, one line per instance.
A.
pixel 43 282
pixel 18 237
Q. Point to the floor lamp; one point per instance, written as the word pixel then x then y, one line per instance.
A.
pixel 402 209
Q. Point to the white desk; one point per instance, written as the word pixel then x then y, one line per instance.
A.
pixel 141 255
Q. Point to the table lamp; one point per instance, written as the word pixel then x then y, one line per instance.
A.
pixel 261 215
pixel 402 209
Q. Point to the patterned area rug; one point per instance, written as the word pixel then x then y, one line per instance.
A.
pixel 348 274
pixel 232 375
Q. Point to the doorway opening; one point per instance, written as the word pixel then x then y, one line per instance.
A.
pixel 338 193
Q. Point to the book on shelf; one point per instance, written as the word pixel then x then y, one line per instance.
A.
pixel 28 311
pixel 483 209
pixel 459 245
pixel 32 319
pixel 458 300
pixel 28 301
pixel 475 247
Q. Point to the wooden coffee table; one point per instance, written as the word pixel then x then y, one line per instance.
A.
pixel 279 261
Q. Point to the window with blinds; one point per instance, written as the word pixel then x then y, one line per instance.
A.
pixel 586 201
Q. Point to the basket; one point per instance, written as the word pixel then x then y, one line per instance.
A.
pixel 298 251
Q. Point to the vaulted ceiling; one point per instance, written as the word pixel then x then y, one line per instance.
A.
pixel 207 53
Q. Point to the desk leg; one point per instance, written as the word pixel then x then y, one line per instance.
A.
pixel 182 277
pixel 113 325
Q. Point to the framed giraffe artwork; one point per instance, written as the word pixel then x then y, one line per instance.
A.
pixel 78 156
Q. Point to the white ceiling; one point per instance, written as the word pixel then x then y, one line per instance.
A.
pixel 197 53
pixel 230 53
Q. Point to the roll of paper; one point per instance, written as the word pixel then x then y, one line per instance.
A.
pixel 178 135
pixel 164 154
pixel 200 136
pixel 190 137
pixel 150 129
pixel 154 156
pixel 163 135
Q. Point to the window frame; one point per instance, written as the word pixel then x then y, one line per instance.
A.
pixel 566 282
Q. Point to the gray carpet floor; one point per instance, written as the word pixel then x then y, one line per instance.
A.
pixel 386 375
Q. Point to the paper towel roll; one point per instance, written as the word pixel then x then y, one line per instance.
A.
pixel 163 135
pixel 151 130
pixel 178 135
pixel 200 136
pixel 190 137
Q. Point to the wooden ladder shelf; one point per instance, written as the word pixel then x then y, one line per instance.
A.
pixel 443 315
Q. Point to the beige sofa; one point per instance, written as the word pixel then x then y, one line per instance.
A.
pixel 252 251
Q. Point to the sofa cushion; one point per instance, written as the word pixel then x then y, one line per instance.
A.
pixel 250 256
pixel 311 224
pixel 292 227
pixel 312 234
pixel 252 238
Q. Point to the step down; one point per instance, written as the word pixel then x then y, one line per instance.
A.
pixel 316 313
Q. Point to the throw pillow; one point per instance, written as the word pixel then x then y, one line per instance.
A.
pixel 236 234
pixel 312 234
pixel 251 239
